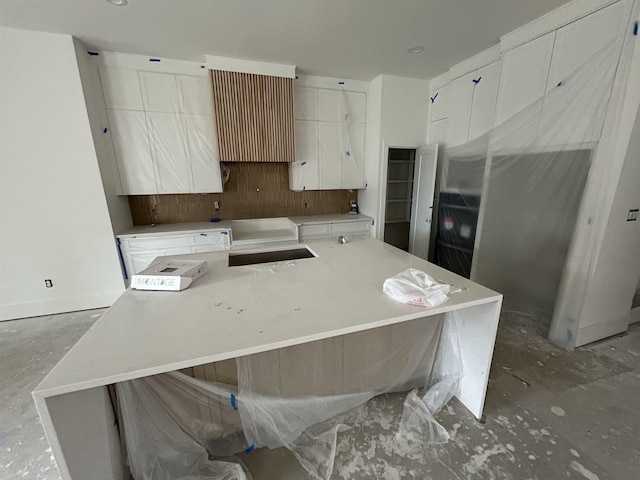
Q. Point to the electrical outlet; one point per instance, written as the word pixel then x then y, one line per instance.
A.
pixel 48 283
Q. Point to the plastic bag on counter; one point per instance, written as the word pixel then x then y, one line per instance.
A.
pixel 415 287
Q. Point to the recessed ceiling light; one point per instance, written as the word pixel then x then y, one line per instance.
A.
pixel 118 3
pixel 416 49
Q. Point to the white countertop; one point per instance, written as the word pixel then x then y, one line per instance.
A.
pixel 236 311
pixel 172 228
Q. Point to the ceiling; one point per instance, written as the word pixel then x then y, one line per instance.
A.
pixel 357 39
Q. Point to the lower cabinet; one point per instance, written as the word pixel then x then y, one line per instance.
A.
pixel 138 251
pixel 333 230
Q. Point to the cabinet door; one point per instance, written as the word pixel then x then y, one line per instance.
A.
pixel 524 76
pixel 133 152
pixel 484 100
pixel 353 163
pixel 460 113
pixel 305 102
pixel 330 155
pixel 159 92
pixel 121 88
pixel 356 105
pixel 439 132
pixel 578 116
pixel 304 174
pixel 202 150
pixel 169 152
pixel 577 42
pixel 439 103
pixel 195 94
pixel 330 105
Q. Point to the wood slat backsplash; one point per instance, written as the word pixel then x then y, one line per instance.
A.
pixel 254 190
pixel 254 117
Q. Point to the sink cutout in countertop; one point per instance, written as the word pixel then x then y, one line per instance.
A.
pixel 241 259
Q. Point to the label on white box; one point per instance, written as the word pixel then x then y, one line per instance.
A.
pixel 169 275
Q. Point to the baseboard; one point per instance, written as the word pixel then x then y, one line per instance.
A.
pixel 60 305
pixel 634 315
pixel 597 332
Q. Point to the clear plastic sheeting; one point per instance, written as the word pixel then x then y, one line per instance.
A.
pixel 517 207
pixel 178 427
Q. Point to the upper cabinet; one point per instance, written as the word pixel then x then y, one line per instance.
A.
pixel 163 131
pixel 524 76
pixel 329 140
pixel 438 129
pixel 472 105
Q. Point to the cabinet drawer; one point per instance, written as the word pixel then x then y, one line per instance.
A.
pixel 158 243
pixel 314 230
pixel 350 228
pixel 220 238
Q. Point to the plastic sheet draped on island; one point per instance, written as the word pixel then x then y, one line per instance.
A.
pixel 178 427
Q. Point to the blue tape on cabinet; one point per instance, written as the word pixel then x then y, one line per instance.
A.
pixel 105 130
pixel 303 163
pixel 635 29
pixel 224 233
pixel 340 83
pixel 433 99
pixel 93 54
pixel 477 80
pixel 234 402
pixel 250 449
pixel 154 59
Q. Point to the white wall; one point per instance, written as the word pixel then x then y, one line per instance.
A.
pixel 403 111
pixel 54 222
pixel 119 210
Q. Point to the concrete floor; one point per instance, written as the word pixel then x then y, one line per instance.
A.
pixel 549 413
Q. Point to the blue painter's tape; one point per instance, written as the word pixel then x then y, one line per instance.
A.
pixel 348 154
pixel 366 185
pixel 105 130
pixel 477 80
pixel 224 233
pixel 373 222
pixel 559 84
pixel 154 59
pixel 340 83
pixel 93 54
pixel 234 402
pixel 303 163
pixel 202 66
pixel 433 99
pixel 250 449
pixel 635 29
pixel 297 77
pixel 304 187
pixel 122 262
pixel 203 234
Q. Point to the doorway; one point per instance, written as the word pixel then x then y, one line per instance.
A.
pixel 400 173
pixel 411 178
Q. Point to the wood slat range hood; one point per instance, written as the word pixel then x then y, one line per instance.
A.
pixel 253 104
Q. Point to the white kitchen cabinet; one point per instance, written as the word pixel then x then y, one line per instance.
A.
pixel 576 43
pixel 473 103
pixel 439 132
pixel 203 153
pixel 484 99
pixel 159 92
pixel 121 88
pixel 138 251
pixel 163 131
pixel 353 163
pixel 460 109
pixel 439 103
pixel 332 230
pixel 325 160
pixel 195 95
pixel 305 101
pixel 306 175
pixel 133 151
pixel 169 152
pixel 523 78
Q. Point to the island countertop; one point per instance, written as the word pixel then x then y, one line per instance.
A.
pixel 237 311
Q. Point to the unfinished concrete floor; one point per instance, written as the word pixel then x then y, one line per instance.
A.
pixel 549 413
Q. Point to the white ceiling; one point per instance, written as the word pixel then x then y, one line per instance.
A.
pixel 356 39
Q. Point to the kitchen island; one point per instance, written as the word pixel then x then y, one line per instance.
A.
pixel 237 311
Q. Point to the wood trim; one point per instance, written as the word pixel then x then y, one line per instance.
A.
pixel 254 117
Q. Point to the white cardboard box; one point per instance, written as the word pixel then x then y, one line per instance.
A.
pixel 171 275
